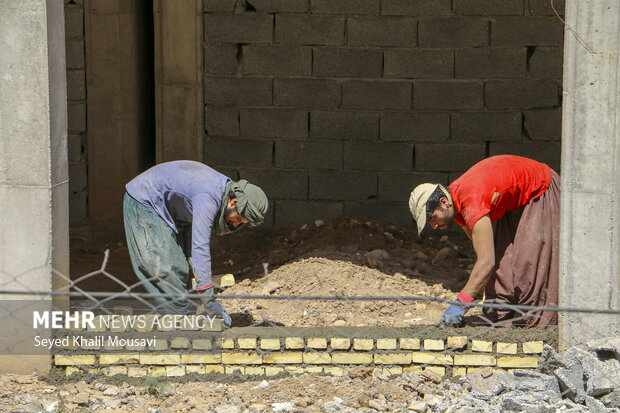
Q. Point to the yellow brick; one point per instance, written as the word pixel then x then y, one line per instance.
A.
pixel 62 360
pixel 313 369
pixel 284 357
pixel 241 358
pixel 144 323
pixel 70 370
pixel 121 323
pixel 412 369
pixel 474 360
pixel 199 358
pixel 273 370
pixel 117 358
pixel 159 344
pixel 317 358
pixel 213 368
pixel 294 342
pixel 195 368
pixel 179 342
pixel 69 346
pixel 133 371
pixel 193 323
pixel 362 344
pixel 317 342
pixel 517 362
pixel 227 343
pixel 99 324
pixel 333 370
pixel 156 371
pixel 436 369
pixel 386 344
pixel 531 347
pixel 421 357
pixel 352 358
pixel 409 343
pixel 392 371
pixel 202 344
pixel 433 344
pixel 482 369
pixel 247 343
pixel 212 325
pixel 456 342
pixel 255 370
pixel 234 369
pixel 175 371
pixel 459 371
pixel 393 358
pixel 507 348
pixel 270 343
pixel 136 347
pixel 160 359
pixel 294 369
pixel 483 346
pixel 338 343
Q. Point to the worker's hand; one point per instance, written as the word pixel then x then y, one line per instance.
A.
pixel 212 308
pixel 453 316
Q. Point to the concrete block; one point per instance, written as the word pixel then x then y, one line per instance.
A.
pixel 340 343
pixel 284 357
pixel 491 62
pixel 481 345
pixel 214 369
pixel 546 62
pixel 486 126
pixel 159 345
pixel 421 357
pixel 546 152
pixel 489 7
pixel 195 368
pixel 433 344
pixel 218 5
pixel 77 360
pixel 415 127
pixel 280 6
pixel 506 348
pixel 474 360
pixel 294 342
pixel 396 186
pixel 277 60
pixel 352 358
pixel 392 371
pixel 231 370
pixel 413 369
pixel 347 62
pixel 270 343
pixel 334 370
pixel 455 157
pixel 273 370
pixel 358 7
pixel 221 59
pixel 202 344
pixel 526 94
pixel 277 123
pixel 363 343
pixel 317 358
pixel 75 54
pixel 242 358
pixel 255 371
pixel 532 347
pixel 309 155
pixel 419 63
pixel 351 186
pixel 441 371
pixel 416 7
pixel 226 343
pixel 315 93
pixel 378 156
pixel 448 95
pixel 391 212
pixel 392 358
pixel 456 342
pixel 233 91
pixel 317 342
pixel 309 30
pixel 386 344
pixel 409 343
pixel 279 183
pixel 74 23
pixel 517 362
pixel 543 7
pixel 160 359
pixel 119 358
pixel 113 370
pixel 238 28
pixel 376 95
pixel 453 32
pixel 344 125
pixel 76 116
pixel 313 369
pixel 238 152
pixel 294 213
pixel 221 122
pixel 175 371
pixel 137 371
pixel 382 31
pixel 527 31
pixel 247 343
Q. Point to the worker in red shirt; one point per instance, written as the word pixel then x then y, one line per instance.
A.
pixel 509 206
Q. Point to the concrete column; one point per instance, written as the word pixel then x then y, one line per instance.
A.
pixel 590 216
pixel 34 207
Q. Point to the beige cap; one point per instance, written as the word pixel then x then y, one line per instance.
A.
pixel 417 202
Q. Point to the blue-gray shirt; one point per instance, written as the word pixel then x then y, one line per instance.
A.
pixel 184 193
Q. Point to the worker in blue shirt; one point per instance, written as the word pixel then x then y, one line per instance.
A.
pixel 170 211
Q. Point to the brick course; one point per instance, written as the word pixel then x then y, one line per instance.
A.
pixel 416 7
pixel 382 31
pixel 376 95
pixel 453 32
pixel 489 7
pixel 309 30
pixel 344 125
pixel 347 62
pixel 419 63
pixel 238 28
pixel 314 93
pixel 491 62
pixel 277 60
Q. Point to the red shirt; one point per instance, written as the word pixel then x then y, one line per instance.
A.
pixel 518 180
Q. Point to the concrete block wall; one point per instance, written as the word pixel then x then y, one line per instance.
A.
pixel 272 350
pixel 76 105
pixel 344 106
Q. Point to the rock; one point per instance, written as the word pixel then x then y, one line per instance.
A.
pixel 152 410
pixel 487 388
pixel 340 323
pixel 236 401
pixel 52 407
pixel 612 400
pixel 319 223
pixel 81 386
pixel 432 376
pixel 609 345
pixel 81 398
pixel 443 238
pixel 283 407
pixel 257 407
pixel 263 384
pixel 271 287
pixel 442 254
pixel 418 406
pixel 227 408
pixel 571 382
pixel 378 404
pixel 112 403
pixel 376 257
pixel 23 380
pixel 111 391
pixel 594 405
pixel 532 381
pixel 300 401
pixel 550 360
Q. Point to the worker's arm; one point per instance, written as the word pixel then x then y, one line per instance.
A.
pixel 467 231
pixel 482 238
pixel 205 211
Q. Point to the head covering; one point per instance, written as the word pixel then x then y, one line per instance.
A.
pixel 252 203
pixel 417 202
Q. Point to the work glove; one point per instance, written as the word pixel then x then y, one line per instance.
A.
pixel 213 308
pixel 453 316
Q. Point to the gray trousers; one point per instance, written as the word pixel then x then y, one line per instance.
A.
pixel 158 256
